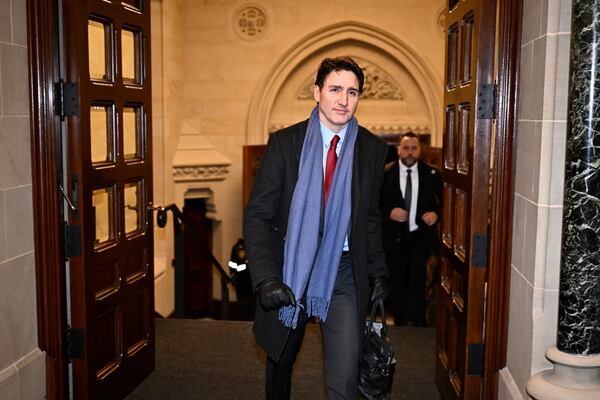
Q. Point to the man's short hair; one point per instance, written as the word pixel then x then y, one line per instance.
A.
pixel 410 134
pixel 339 64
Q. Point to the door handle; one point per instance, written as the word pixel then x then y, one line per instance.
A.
pixel 72 205
pixel 161 215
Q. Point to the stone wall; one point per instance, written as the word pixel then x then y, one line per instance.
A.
pixel 538 196
pixel 22 364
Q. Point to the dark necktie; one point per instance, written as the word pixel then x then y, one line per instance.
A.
pixel 330 165
pixel 408 193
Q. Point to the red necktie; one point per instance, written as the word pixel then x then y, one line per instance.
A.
pixel 330 165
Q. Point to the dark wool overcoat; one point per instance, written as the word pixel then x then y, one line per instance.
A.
pixel 266 220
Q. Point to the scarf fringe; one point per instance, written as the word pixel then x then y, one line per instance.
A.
pixel 288 315
pixel 317 306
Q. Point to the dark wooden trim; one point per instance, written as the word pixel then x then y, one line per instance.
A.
pixel 47 215
pixel 503 169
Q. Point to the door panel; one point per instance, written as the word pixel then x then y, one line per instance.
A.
pixel 107 53
pixel 466 174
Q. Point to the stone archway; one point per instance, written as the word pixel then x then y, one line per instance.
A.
pixel 281 87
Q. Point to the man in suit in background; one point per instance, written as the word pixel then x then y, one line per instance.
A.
pixel 410 208
pixel 313 234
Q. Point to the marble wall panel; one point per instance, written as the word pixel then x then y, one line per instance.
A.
pixel 15 83
pixel 2 228
pixel 553 57
pixel 15 152
pixel 526 104
pixel 545 304
pixel 528 156
pixel 518 233
pixel 519 353
pixel 5 21
pixel 19 221
pixel 507 388
pixel 534 231
pixel 561 84
pixel 559 16
pixel 19 22
pixel 32 371
pixel 551 268
pixel 532 29
pixel 18 320
pixel 9 383
pixel 552 163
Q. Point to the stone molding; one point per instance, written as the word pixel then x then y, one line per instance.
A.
pixel 440 20
pixel 200 173
pixel 574 377
pixel 376 129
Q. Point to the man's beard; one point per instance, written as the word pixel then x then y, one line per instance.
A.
pixel 408 161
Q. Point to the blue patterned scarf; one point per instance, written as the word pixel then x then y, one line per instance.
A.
pixel 308 266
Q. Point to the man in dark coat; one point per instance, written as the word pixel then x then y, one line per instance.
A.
pixel 312 229
pixel 409 228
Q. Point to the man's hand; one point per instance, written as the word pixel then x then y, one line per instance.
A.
pixel 274 294
pixel 430 218
pixel 398 214
pixel 379 289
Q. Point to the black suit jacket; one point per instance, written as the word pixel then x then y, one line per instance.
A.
pixel 266 219
pixel 428 199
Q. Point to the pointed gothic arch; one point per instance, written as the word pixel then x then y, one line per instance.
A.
pixel 423 74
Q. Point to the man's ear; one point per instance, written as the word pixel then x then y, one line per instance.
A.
pixel 316 93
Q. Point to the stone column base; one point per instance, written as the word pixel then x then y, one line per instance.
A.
pixel 573 377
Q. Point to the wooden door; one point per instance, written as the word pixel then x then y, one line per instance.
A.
pixel 109 179
pixel 468 109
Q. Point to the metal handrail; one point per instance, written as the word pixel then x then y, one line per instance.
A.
pixel 179 224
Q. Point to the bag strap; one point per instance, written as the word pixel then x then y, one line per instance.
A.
pixel 378 304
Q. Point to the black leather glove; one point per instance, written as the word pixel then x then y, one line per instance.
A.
pixel 379 288
pixel 274 294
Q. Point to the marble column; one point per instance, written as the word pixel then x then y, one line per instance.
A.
pixel 576 356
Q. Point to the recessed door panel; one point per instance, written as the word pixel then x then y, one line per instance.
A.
pixel 100 49
pixel 136 321
pixel 102 134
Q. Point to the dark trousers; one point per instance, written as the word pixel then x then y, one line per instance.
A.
pixel 340 344
pixel 407 263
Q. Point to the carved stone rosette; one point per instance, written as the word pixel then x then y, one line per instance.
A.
pixel 250 22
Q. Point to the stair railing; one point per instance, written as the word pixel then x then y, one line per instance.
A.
pixel 179 230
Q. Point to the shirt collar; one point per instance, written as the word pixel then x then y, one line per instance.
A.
pixel 327 134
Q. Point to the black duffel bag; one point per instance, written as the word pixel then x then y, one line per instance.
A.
pixel 377 362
